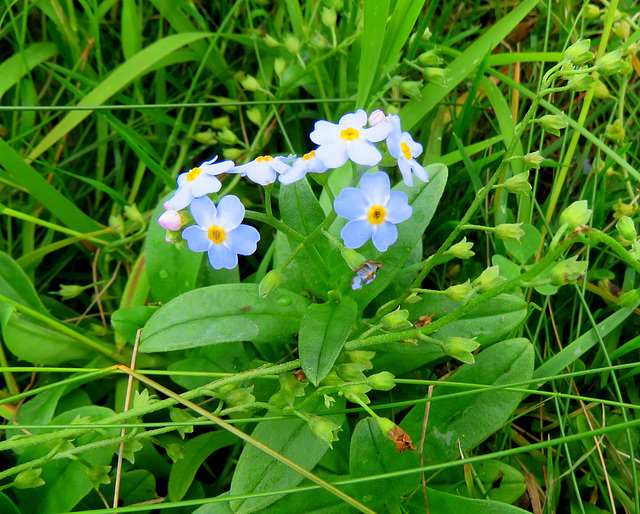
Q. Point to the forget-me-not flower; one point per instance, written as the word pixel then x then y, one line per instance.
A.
pixel 348 139
pixel 402 146
pixel 197 182
pixel 374 211
pixel 263 169
pixel 219 232
pixel 308 163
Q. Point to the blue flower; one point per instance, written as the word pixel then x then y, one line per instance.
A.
pixel 197 182
pixel 402 146
pixel 262 170
pixel 308 163
pixel 374 211
pixel 219 232
pixel 348 139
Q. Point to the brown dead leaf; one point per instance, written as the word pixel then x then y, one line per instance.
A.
pixel 401 439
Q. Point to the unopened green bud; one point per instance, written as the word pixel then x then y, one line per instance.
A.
pixel 396 320
pixel 519 184
pixel 509 232
pixel 132 212
pixel 351 372
pixel 182 417
pixel 411 88
pixel 69 291
pixel 328 17
pixel 241 396
pixel 362 357
pixel 292 43
pixel 623 209
pixel 332 379
pixel 553 123
pixel 460 348
pixel 629 299
pixel 227 137
pixel 627 228
pixel 250 83
pixel 579 53
pixel 270 41
pixel 459 292
pixel 353 259
pixel 356 393
pixel 386 425
pixel 324 428
pixel 233 154
pixel 489 279
pixel 116 222
pixel 611 63
pixel 383 381
pixel 224 101
pixel 622 29
pixel 220 122
pixel 461 250
pixel 591 12
pixel 270 283
pixel 580 82
pixel 567 272
pixel 436 76
pixel 208 137
pixel 615 131
pixel 28 479
pixel 290 389
pixel 600 90
pixel 533 160
pixel 99 474
pixel 255 115
pixel 175 451
pixel 279 66
pixel 426 35
pixel 575 215
pixel 429 58
pixel 635 250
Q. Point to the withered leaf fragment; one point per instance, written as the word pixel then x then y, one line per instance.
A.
pixel 401 439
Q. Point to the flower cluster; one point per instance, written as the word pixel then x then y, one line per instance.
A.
pixel 372 210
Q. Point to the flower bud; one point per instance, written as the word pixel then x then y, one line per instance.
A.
pixel 509 232
pixel 290 389
pixel 206 138
pixel 324 428
pixel 270 41
pixel 329 17
pixel 489 279
pixel 279 66
pixel 69 291
pixel 250 83
pixel 576 214
pixel 362 357
pixel 459 292
pixel 627 228
pixel 460 348
pixel 629 299
pixel 270 283
pixel 220 122
pixel 356 393
pixel 579 53
pixel 255 115
pixel 600 90
pixel 233 154
pixel 519 184
pixel 383 381
pixel 426 35
pixel 98 474
pixel 436 76
pixel 580 82
pixel 553 123
pixel 461 250
pixel 386 425
pixel 28 479
pixel 292 43
pixel 411 88
pixel 567 271
pixel 241 396
pixel 171 220
pixel 396 320
pixel 615 132
pixel 621 29
pixel 377 116
pixel 611 63
pixel 635 250
pixel 429 58
pixel 533 160
pixel 227 137
pixel 353 259
pixel 351 372
pixel 591 12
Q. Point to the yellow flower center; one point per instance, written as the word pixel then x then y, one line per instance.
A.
pixel 377 214
pixel 405 150
pixel 349 134
pixel 216 234
pixel 264 158
pixel 309 156
pixel 193 174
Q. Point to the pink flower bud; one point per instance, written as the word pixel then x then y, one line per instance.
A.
pixel 171 220
pixel 376 117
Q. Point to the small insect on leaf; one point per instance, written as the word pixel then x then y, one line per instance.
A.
pixel 365 274
pixel 245 308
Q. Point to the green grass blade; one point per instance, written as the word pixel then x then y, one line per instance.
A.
pixel 375 20
pixel 18 65
pixel 401 24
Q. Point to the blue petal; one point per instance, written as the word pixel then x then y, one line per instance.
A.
pixel 419 171
pixel 385 235
pixel 230 212
pixel 356 283
pixel 243 240
pixel 205 185
pixel 363 152
pixel 180 199
pixel 325 132
pixel 203 211
pixel 377 132
pixel 222 257
pixel 376 188
pixel 197 240
pixel 398 208
pixel 351 204
pixel 333 155
pixel 356 233
pixel 293 174
pixel 405 170
pixel 216 168
pixel 356 119
pixel 261 173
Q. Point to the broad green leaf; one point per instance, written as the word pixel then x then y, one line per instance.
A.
pixel 529 244
pixel 136 486
pixel 7 506
pixel 323 331
pixel 171 272
pixel 222 314
pixel 20 63
pixel 126 321
pixel 117 80
pixel 373 453
pixel 489 323
pixel 258 472
pixel 195 452
pixel 444 502
pixel 459 423
pixel 15 285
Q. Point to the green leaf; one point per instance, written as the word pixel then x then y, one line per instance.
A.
pixel 462 422
pixel 195 452
pixel 444 502
pixel 373 453
pixel 529 244
pixel 15 285
pixel 323 331
pixel 7 506
pixel 222 314
pixel 375 24
pixel 258 472
pixel 20 63
pixel 489 323
pixel 128 320
pixel 136 486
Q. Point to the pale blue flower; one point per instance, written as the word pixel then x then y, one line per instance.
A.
pixel 197 182
pixel 263 169
pixel 348 139
pixel 308 163
pixel 374 211
pixel 219 232
pixel 402 146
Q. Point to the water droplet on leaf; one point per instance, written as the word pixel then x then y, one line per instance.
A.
pixel 163 273
pixel 284 301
